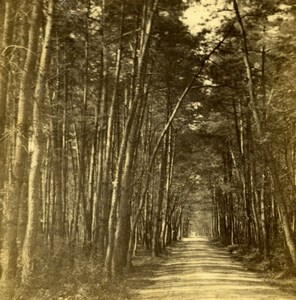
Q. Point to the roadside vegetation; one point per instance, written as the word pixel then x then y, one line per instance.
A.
pixel 277 272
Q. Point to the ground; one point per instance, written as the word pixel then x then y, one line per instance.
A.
pixel 196 269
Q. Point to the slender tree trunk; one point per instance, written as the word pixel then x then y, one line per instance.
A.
pixel 29 254
pixel 83 172
pixel 11 210
pixel 158 218
pixel 8 14
pixel 122 233
pixel 129 131
pixel 280 197
pixel 170 163
pixel 105 142
pixel 106 177
pixel 5 67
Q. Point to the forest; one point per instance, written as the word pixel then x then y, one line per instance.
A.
pixel 121 120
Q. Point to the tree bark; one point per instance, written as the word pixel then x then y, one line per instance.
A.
pixel 272 162
pixel 129 131
pixel 11 204
pixel 8 14
pixel 106 176
pixel 31 242
pixel 5 68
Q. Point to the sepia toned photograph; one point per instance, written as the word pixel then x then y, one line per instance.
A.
pixel 147 149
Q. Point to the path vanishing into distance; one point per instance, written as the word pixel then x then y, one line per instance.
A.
pixel 198 270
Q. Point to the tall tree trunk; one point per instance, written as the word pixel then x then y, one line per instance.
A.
pixel 29 253
pixel 106 176
pixel 11 205
pixel 5 67
pixel 158 218
pixel 129 131
pixel 280 197
pixel 8 16
pixel 123 226
pixel 168 210
pixel 104 141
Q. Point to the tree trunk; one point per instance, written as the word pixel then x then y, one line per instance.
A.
pixel 106 178
pixel 11 210
pixel 280 197
pixel 129 132
pixel 8 16
pixel 5 67
pixel 31 242
pixel 158 215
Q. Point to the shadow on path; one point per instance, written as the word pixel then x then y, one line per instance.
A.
pixel 198 270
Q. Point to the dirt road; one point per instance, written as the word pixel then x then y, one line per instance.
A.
pixel 196 270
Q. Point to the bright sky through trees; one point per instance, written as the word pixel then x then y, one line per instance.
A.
pixel 206 14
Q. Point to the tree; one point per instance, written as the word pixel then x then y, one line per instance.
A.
pixel 34 208
pixel 272 162
pixel 13 198
pixel 9 11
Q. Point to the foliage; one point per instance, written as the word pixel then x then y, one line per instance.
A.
pixel 83 278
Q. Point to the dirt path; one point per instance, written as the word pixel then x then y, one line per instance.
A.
pixel 196 270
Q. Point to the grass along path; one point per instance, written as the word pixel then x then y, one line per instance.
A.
pixel 197 270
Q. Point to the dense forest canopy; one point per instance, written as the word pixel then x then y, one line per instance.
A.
pixel 126 124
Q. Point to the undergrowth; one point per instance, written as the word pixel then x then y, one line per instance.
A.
pixel 79 279
pixel 63 277
pixel 277 270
